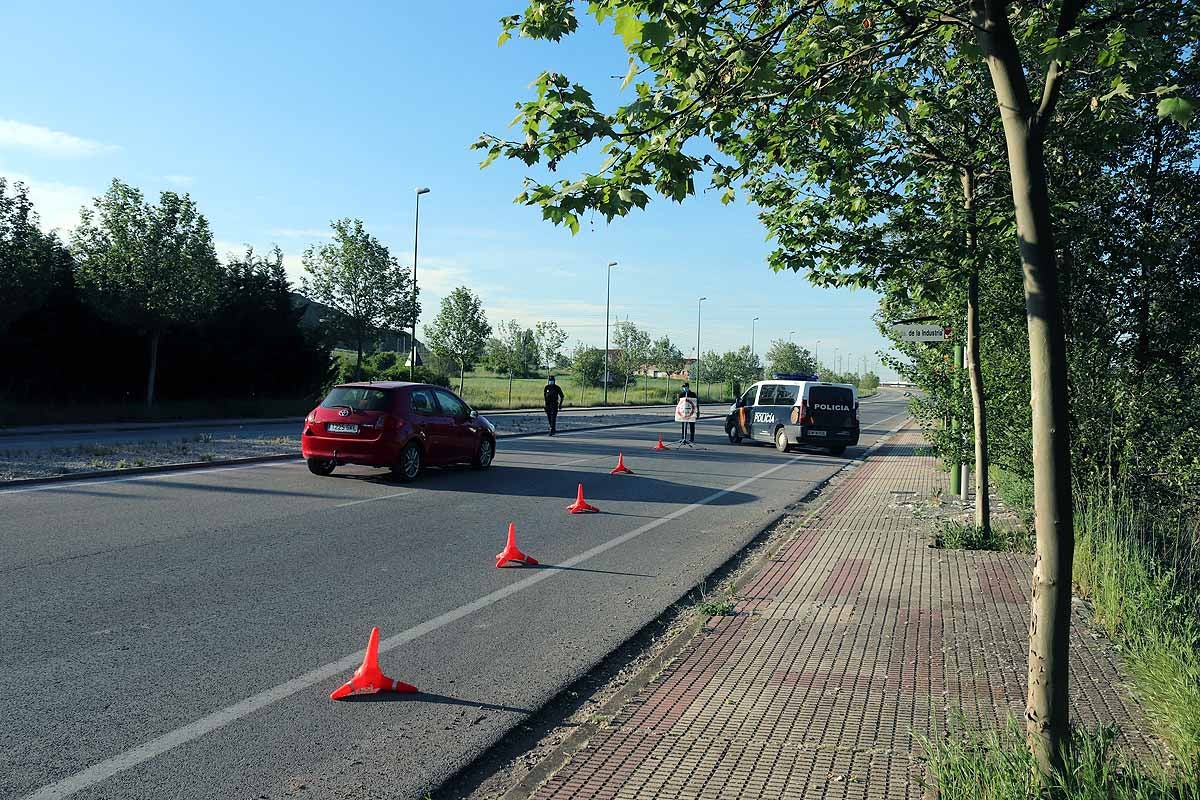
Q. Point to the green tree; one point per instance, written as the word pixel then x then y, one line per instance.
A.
pixel 26 255
pixel 355 275
pixel 508 352
pixel 784 356
pixel 666 356
pixel 460 331
pixel 145 265
pixel 587 366
pixel 549 338
pixel 762 81
pixel 633 351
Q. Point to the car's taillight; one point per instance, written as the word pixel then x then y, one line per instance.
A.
pixel 312 417
pixel 804 418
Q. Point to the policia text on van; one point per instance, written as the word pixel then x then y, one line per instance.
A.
pixel 796 409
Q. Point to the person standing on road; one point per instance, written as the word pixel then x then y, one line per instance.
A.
pixel 553 394
pixel 689 428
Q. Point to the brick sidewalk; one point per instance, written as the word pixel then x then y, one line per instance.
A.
pixel 856 636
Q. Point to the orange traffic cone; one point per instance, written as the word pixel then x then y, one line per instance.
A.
pixel 368 678
pixel 511 554
pixel 620 468
pixel 581 506
pixel 660 445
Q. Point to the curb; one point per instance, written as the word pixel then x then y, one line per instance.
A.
pixel 231 462
pixel 578 738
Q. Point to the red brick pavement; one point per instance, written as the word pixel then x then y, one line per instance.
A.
pixel 853 639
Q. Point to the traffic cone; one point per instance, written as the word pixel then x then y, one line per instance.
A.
pixel 511 554
pixel 660 445
pixel 368 678
pixel 620 468
pixel 581 506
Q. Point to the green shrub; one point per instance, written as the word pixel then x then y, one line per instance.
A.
pixel 954 535
pixel 997 765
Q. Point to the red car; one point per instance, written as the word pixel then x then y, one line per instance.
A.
pixel 402 426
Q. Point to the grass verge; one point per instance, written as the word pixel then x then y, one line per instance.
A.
pixel 997 765
pixel 955 535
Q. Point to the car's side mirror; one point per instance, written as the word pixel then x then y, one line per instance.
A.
pixel 473 414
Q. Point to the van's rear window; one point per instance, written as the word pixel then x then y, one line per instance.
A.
pixel 359 398
pixel 832 396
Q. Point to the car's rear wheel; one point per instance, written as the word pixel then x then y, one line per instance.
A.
pixel 410 464
pixel 321 466
pixel 485 453
pixel 735 436
pixel 781 440
pixel 838 450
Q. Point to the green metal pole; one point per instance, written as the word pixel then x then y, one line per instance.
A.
pixel 955 425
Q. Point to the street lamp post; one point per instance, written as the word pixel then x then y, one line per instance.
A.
pixel 753 322
pixel 698 384
pixel 412 357
pixel 607 295
pixel 817 354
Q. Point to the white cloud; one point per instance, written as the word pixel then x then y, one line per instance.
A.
pixel 179 180
pixel 45 141
pixel 57 204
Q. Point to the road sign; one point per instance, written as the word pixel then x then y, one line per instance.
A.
pixel 923 333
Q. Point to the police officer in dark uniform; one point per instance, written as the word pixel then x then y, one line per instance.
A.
pixel 689 428
pixel 553 394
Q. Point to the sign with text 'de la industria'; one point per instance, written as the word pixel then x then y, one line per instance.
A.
pixel 923 333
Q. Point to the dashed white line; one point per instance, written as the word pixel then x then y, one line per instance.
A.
pixel 373 499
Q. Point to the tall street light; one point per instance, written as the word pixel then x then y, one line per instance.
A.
pixel 607 295
pixel 698 384
pixel 412 357
pixel 817 354
pixel 753 322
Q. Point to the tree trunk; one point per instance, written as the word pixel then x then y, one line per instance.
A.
pixel 510 388
pixel 154 336
pixel 1046 712
pixel 462 376
pixel 983 513
pixel 625 395
pixel 668 387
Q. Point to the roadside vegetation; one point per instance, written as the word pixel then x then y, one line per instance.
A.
pixel 997 765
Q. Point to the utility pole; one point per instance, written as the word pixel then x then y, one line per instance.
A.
pixel 607 295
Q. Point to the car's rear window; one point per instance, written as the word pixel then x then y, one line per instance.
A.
pixel 831 398
pixel 359 398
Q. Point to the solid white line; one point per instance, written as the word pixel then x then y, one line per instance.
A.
pixel 219 719
pixel 373 499
pixel 84 483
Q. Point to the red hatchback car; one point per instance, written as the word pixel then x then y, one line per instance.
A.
pixel 402 426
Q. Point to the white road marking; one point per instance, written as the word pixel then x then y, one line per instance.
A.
pixel 86 482
pixel 219 719
pixel 373 499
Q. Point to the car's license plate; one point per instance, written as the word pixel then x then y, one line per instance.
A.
pixel 341 427
pixel 811 432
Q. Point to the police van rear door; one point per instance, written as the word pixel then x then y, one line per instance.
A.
pixel 831 407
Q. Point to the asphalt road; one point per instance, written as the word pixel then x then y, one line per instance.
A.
pixel 106 435
pixel 178 635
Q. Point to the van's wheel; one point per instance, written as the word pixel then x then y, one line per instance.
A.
pixel 735 436
pixel 781 442
pixel 410 463
pixel 321 466
pixel 837 451
pixel 484 454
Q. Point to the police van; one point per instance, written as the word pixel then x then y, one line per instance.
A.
pixel 796 410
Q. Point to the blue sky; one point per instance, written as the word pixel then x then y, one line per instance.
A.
pixel 279 117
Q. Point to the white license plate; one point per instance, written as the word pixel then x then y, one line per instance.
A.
pixel 342 427
pixel 816 433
